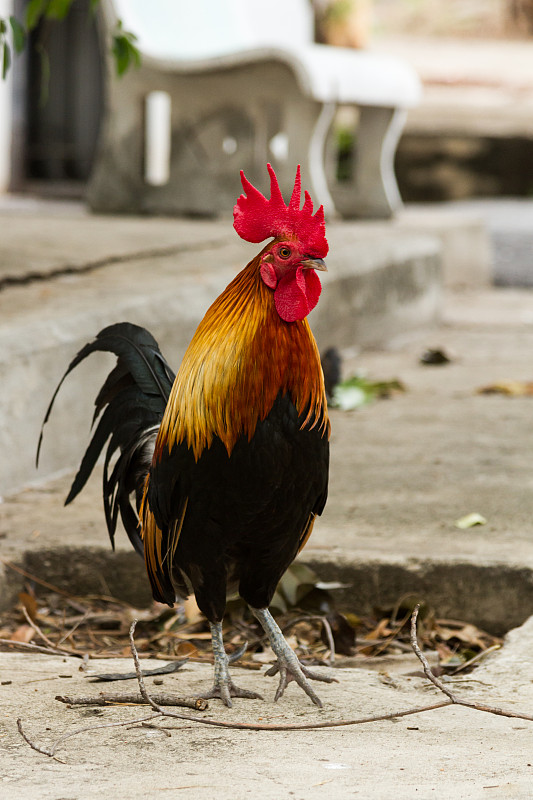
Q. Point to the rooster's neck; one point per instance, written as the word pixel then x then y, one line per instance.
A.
pixel 242 356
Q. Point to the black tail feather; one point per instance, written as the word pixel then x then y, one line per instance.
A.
pixel 132 399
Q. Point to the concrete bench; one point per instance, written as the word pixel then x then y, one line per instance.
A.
pixel 226 85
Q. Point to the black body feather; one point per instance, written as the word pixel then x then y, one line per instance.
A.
pixel 129 408
pixel 247 514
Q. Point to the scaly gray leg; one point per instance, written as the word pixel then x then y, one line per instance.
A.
pixel 224 688
pixel 287 665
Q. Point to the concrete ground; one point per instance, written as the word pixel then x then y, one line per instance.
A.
pixel 403 470
pixel 451 752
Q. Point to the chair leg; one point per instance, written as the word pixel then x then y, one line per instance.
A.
pixel 373 190
pixel 317 159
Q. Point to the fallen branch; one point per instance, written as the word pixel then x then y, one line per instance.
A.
pixel 453 697
pixel 132 698
pixel 166 669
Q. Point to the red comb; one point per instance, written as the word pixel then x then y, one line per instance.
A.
pixel 255 218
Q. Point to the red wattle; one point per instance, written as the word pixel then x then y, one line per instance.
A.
pixel 297 294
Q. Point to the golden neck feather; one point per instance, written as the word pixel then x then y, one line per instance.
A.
pixel 240 358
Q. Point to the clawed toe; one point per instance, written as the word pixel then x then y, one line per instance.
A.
pixel 313 676
pixel 290 671
pixel 226 690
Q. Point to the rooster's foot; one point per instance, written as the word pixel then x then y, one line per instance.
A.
pixel 290 670
pixel 224 688
pixel 288 664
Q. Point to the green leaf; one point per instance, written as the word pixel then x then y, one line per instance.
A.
pixel 135 55
pixel 6 60
pixel 470 520
pixel 93 5
pixel 131 37
pixel 19 34
pixel 3 26
pixel 121 53
pixel 358 391
pixel 34 11
pixel 58 9
pixel 124 50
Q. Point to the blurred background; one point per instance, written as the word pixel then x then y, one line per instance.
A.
pixel 472 136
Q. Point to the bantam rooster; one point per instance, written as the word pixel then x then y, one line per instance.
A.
pixel 228 461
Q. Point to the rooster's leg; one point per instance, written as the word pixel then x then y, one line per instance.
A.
pixel 287 664
pixel 224 688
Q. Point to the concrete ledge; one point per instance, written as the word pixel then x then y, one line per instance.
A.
pixel 80 571
pixel 496 596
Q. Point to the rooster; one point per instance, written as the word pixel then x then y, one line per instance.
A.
pixel 223 468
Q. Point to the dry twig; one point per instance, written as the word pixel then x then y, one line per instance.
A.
pixel 35 647
pixel 76 625
pixel 453 697
pixel 52 750
pixel 131 698
pixel 56 647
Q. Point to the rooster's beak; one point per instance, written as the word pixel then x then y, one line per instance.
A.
pixel 314 263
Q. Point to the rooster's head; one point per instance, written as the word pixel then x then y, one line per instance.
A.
pixel 288 264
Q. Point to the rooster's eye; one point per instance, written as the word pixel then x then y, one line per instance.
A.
pixel 284 252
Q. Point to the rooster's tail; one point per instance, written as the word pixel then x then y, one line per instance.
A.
pixel 133 399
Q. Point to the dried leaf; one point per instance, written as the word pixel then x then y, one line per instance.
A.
pixel 185 649
pixel 295 584
pixel 381 630
pixel 24 633
pixel 30 604
pixel 202 635
pixel 468 634
pixel 328 586
pixel 511 388
pixel 192 612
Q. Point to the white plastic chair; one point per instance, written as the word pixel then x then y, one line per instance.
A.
pixel 226 85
